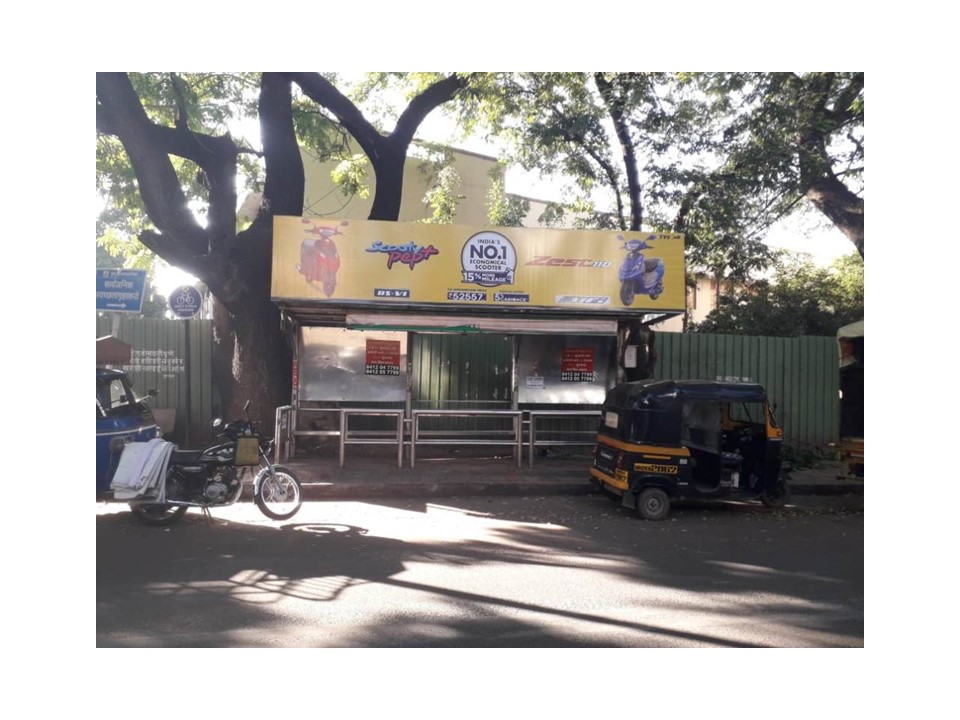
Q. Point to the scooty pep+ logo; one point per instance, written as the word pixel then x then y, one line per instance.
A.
pixel 410 254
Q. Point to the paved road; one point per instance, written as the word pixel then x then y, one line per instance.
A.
pixel 550 571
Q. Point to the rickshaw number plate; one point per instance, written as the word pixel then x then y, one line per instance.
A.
pixel 622 475
pixel 248 450
pixel 654 468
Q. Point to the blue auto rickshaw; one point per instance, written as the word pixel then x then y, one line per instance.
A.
pixel 122 417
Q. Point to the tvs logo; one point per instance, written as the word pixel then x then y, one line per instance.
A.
pixel 488 259
pixel 548 261
pixel 582 299
pixel 409 254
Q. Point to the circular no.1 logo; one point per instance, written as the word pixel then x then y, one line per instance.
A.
pixel 488 259
pixel 185 301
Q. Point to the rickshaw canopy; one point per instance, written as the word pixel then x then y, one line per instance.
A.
pixel 645 393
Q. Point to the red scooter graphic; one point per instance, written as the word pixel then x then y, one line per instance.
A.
pixel 319 259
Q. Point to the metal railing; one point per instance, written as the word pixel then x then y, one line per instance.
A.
pixel 450 437
pixel 533 441
pixel 312 433
pixel 285 431
pixel 368 438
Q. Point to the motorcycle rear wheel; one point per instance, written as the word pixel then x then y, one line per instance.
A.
pixel 279 497
pixel 157 514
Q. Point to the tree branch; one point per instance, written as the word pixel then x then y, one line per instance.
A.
pixel 321 91
pixel 423 104
pixel 615 105
pixel 183 241
pixel 283 192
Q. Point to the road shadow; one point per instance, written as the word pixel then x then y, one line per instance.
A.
pixel 213 582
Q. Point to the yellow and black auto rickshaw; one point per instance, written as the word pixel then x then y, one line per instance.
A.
pixel 666 440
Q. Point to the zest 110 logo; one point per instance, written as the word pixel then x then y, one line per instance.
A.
pixel 409 254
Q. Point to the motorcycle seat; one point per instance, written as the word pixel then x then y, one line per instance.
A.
pixel 650 265
pixel 185 457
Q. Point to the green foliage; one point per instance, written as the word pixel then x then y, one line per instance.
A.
pixel 789 134
pixel 351 175
pixel 553 215
pixel 503 209
pixel 444 197
pixel 802 457
pixel 800 299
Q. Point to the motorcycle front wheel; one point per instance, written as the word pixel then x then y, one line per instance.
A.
pixel 627 292
pixel 278 496
pixel 157 514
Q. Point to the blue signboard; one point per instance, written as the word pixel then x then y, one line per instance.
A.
pixel 120 290
pixel 185 301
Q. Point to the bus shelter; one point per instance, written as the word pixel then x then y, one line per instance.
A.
pixel 431 337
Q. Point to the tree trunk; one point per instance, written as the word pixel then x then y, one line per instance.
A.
pixel 842 207
pixel 262 364
pixel 224 340
pixel 388 169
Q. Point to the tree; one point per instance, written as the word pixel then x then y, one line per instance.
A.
pixel 557 124
pixel 164 150
pixel 800 299
pixel 643 149
pixel 798 137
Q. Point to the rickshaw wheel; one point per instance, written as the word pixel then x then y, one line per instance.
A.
pixel 779 497
pixel 653 504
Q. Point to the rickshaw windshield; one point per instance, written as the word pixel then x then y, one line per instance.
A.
pixel 751 413
pixel 115 397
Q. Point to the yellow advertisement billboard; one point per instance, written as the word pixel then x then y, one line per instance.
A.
pixel 366 262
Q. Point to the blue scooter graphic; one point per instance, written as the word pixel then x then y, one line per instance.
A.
pixel 639 274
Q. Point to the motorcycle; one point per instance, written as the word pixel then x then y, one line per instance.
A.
pixel 214 478
pixel 639 274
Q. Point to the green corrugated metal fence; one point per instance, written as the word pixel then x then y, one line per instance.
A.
pixel 462 372
pixel 800 375
pixel 159 362
pixel 451 372
pixel 475 372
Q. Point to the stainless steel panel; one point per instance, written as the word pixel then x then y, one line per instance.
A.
pixel 551 368
pixel 333 366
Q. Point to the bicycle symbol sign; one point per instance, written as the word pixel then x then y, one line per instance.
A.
pixel 185 301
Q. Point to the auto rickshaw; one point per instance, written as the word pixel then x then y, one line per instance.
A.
pixel 121 417
pixel 664 440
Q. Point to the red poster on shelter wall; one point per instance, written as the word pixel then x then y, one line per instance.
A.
pixel 383 357
pixel 576 365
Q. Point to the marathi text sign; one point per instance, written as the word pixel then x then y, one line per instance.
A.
pixel 576 365
pixel 120 290
pixel 382 357
pixel 364 262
